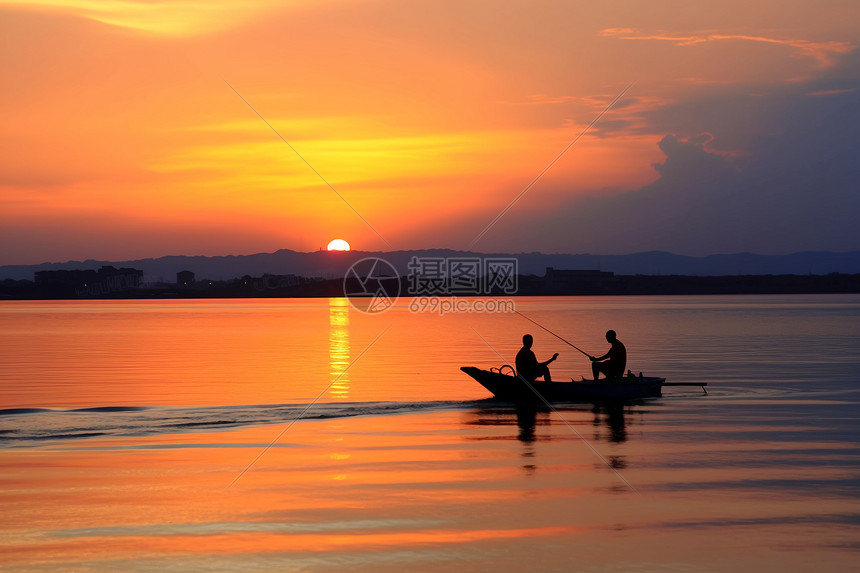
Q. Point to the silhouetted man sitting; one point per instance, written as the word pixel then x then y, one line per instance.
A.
pixel 613 363
pixel 527 365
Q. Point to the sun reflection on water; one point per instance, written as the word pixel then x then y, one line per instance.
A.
pixel 338 347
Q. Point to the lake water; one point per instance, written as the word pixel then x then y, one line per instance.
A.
pixel 304 435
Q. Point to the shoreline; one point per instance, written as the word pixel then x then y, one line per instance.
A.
pixel 528 285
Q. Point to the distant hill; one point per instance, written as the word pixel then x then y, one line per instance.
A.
pixel 334 264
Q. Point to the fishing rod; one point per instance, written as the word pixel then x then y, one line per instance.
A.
pixel 553 333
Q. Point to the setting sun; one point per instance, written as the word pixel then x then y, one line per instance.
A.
pixel 338 245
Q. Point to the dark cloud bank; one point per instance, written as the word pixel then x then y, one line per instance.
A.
pixel 770 172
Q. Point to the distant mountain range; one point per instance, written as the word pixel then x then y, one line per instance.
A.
pixel 331 265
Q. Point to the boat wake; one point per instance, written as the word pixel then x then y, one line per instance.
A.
pixel 27 427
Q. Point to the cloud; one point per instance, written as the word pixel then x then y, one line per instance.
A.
pixel 792 185
pixel 831 92
pixel 543 99
pixel 166 18
pixel 822 52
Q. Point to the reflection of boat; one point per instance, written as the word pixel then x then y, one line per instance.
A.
pixel 510 387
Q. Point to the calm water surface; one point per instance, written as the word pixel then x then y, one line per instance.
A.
pixel 303 435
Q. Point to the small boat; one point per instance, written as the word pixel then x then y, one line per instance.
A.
pixel 510 387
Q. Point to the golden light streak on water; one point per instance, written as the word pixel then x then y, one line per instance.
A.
pixel 338 345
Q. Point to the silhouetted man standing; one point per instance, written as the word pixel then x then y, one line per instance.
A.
pixel 527 365
pixel 613 363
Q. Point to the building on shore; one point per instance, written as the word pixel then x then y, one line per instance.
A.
pixel 88 283
pixel 559 280
pixel 185 278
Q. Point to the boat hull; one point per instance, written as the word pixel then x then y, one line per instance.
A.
pixel 512 388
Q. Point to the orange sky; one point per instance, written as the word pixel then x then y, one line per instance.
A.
pixel 122 139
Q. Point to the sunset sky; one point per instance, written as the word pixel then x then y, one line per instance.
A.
pixel 122 136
